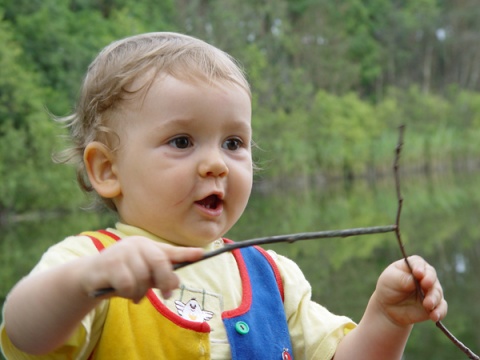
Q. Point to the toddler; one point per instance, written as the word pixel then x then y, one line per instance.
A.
pixel 162 135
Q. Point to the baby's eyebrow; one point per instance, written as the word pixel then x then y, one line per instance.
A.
pixel 178 121
pixel 240 125
pixel 173 123
pixel 233 124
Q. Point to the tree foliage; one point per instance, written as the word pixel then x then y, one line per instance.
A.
pixel 331 81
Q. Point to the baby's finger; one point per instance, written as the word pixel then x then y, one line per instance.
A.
pixel 143 277
pixel 425 274
pixel 433 296
pixel 164 279
pixel 439 312
pixel 419 266
pixel 160 264
pixel 178 254
pixel 126 284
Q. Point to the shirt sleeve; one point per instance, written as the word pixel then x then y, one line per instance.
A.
pixel 315 332
pixel 82 342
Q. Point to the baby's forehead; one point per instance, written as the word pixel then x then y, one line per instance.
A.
pixel 141 85
pixel 160 90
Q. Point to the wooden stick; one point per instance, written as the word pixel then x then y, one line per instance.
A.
pixel 291 238
pixel 420 292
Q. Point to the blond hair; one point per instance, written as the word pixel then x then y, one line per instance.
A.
pixel 118 65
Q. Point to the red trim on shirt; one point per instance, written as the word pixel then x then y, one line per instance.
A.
pixel 176 319
pixel 98 244
pixel 108 233
pixel 246 286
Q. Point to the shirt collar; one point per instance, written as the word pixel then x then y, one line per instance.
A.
pixel 129 230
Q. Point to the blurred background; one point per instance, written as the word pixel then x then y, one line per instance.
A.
pixel 331 82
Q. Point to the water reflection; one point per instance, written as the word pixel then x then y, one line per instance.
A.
pixel 439 222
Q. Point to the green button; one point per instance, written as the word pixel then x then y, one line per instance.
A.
pixel 242 327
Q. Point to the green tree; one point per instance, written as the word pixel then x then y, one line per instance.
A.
pixel 27 136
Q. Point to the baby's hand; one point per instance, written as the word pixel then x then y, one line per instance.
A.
pixel 134 265
pixel 397 296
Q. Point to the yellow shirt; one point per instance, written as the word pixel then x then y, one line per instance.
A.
pixel 215 285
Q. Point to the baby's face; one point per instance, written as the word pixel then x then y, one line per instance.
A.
pixel 185 163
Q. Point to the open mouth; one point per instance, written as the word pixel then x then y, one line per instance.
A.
pixel 210 202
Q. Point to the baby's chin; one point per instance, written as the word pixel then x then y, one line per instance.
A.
pixel 201 237
pixel 205 237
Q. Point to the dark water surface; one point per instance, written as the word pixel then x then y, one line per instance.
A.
pixel 439 221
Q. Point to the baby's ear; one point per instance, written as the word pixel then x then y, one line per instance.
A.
pixel 100 166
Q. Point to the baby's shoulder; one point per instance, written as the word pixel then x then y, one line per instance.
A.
pixel 76 244
pixel 68 249
pixel 287 267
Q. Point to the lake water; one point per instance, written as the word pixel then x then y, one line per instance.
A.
pixel 439 221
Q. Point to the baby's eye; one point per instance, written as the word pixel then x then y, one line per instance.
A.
pixel 181 142
pixel 232 144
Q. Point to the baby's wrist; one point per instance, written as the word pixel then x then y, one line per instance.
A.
pixel 86 277
pixel 382 312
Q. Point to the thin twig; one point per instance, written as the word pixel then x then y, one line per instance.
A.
pixel 420 292
pixel 290 238
pixel 396 166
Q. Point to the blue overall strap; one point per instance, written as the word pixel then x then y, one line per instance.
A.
pixel 258 328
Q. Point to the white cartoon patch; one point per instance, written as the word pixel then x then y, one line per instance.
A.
pixel 191 310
